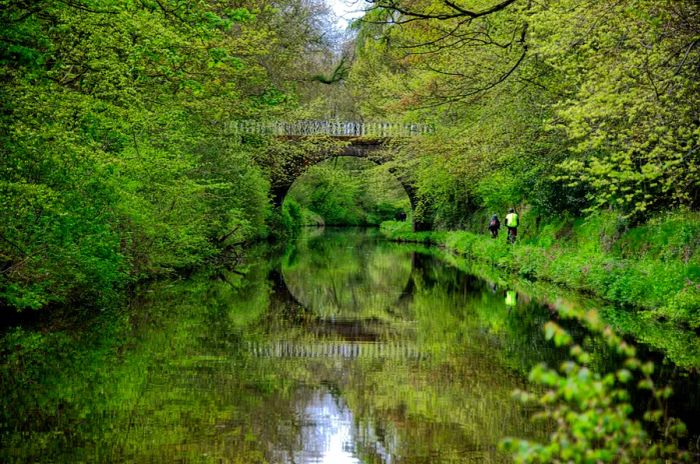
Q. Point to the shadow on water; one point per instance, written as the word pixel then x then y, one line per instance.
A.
pixel 342 349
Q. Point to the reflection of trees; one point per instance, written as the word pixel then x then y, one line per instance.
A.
pixel 453 405
pixel 180 385
pixel 456 404
pixel 182 389
pixel 347 274
pixel 506 336
pixel 152 384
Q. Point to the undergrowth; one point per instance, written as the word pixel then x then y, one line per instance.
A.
pixel 654 268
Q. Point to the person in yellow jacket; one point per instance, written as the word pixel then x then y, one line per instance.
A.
pixel 511 298
pixel 512 223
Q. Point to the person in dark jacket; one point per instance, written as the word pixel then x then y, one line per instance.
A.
pixel 494 225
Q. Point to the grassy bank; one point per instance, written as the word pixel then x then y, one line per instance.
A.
pixel 654 268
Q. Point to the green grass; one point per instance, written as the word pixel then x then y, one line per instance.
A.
pixel 653 268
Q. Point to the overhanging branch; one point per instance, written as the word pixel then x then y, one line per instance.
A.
pixel 452 10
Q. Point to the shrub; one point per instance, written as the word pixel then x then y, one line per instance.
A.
pixel 591 412
pixel 292 219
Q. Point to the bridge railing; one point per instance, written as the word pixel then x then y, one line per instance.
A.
pixel 334 349
pixel 330 128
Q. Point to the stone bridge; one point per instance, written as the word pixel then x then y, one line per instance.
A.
pixel 363 140
pixel 335 129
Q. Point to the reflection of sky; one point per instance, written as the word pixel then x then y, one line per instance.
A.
pixel 327 432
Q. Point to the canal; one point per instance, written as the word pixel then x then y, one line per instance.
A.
pixel 339 348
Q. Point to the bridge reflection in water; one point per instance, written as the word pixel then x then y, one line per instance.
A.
pixel 340 350
pixel 384 359
pixel 343 311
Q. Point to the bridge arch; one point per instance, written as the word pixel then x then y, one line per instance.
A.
pixel 357 148
pixel 364 140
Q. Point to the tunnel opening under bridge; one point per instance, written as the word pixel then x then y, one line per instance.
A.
pixel 364 156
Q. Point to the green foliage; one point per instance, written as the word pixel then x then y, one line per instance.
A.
pixel 631 93
pixel 640 268
pixel 500 191
pixel 292 216
pixel 591 410
pixel 403 232
pixel 348 191
pixel 560 105
pixel 331 193
pixel 116 161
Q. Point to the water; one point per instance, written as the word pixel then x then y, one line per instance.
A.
pixel 343 348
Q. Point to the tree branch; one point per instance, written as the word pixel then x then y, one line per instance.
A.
pixel 223 238
pixel 455 11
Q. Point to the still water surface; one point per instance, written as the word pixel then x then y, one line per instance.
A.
pixel 343 348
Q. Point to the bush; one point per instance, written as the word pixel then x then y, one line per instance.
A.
pixel 591 412
pixel 595 255
pixel 292 218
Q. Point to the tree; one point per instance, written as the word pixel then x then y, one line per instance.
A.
pixel 117 162
pixel 595 105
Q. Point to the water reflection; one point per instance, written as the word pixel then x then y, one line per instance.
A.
pixel 401 338
pixel 326 434
pixel 348 349
pixel 511 298
pixel 342 274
